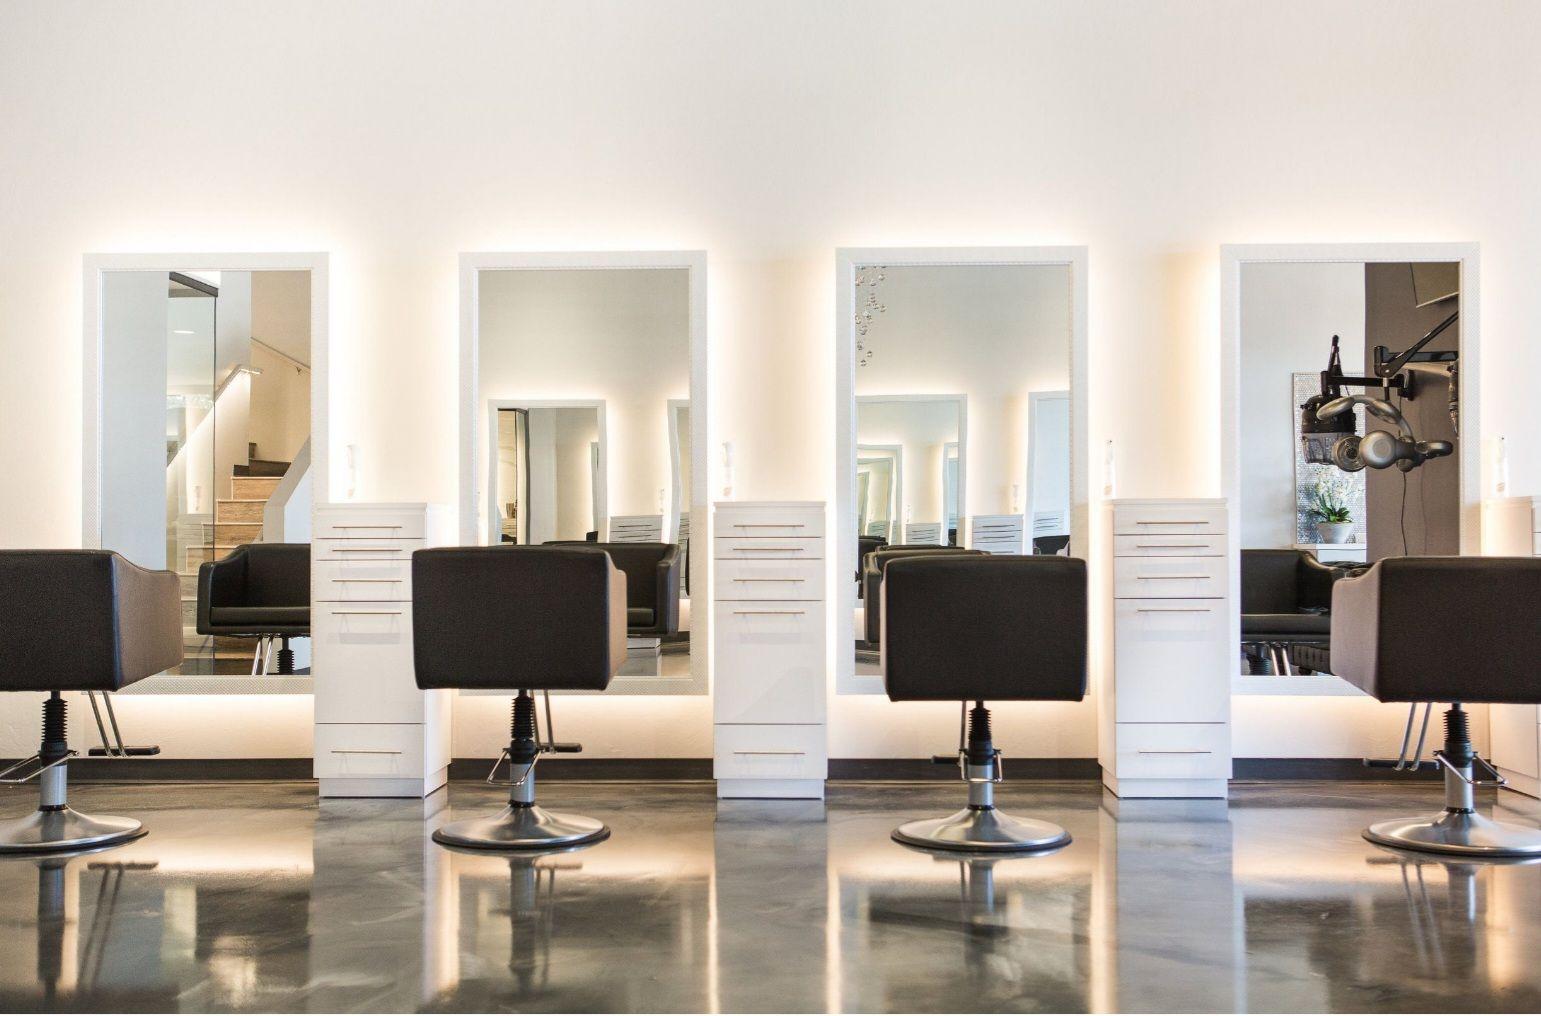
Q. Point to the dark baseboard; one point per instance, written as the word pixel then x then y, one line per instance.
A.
pixel 900 770
pixel 916 770
pixel 661 769
pixel 1245 770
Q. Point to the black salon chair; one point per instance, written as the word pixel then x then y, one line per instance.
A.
pixel 549 618
pixel 652 573
pixel 77 620
pixel 865 545
pixel 875 566
pixel 1286 596
pixel 1051 544
pixel 1445 629
pixel 259 591
pixel 977 628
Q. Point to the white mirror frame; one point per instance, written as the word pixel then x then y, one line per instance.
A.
pixel 671 522
pixel 1232 258
pixel 95 265
pixel 601 502
pixel 842 566
pixel 472 437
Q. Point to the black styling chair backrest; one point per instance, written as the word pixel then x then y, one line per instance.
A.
pixel 261 575
pixel 511 618
pixel 993 627
pixel 652 573
pixel 84 620
pixel 1284 582
pixel 1441 629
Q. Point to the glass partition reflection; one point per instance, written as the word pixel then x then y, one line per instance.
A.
pixel 205 440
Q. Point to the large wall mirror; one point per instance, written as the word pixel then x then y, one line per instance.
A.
pixel 1351 391
pixel 583 424
pixel 202 397
pixel 961 416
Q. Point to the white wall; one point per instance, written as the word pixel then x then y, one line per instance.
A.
pixel 1289 314
pixel 920 428
pixel 396 136
pixel 280 395
pixel 134 493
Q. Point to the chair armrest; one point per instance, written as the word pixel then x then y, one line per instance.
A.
pixel 1314 585
pixel 221 583
pixel 149 608
pixel 667 594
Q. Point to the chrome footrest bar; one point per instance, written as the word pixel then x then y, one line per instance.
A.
pixel 7 778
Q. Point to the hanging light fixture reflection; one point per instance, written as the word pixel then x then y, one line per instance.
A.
pixel 868 306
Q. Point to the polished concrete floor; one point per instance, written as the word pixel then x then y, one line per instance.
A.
pixel 253 897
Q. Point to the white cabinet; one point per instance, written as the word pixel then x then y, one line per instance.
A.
pixel 768 697
pixel 377 733
pixel 1165 709
pixel 996 534
pixel 1511 527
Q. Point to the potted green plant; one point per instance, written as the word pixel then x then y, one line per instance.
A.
pixel 1329 506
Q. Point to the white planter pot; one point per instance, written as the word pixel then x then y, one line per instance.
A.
pixel 1335 532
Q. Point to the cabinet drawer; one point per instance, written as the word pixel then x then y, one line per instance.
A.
pixel 1159 545
pixel 1173 661
pixel 1168 577
pixel 1141 520
pixel 362 578
pixel 769 661
pixel 768 548
pixel 363 649
pixel 728 524
pixel 366 549
pixel 794 579
pixel 368 750
pixel 386 525
pixel 1173 751
pixel 783 751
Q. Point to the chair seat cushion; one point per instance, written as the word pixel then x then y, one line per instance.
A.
pixel 264 620
pixel 1259 625
pixel 639 617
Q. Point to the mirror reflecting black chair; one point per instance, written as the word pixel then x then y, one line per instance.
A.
pixel 260 591
pixel 1286 599
pixel 875 567
pixel 549 618
pixel 1445 629
pixel 865 546
pixel 77 620
pixel 652 573
pixel 975 628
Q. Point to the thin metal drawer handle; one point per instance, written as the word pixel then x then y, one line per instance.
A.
pixel 1156 578
pixel 380 526
pixel 368 580
pixel 1175 610
pixel 366 612
pixel 770 612
pixel 768 525
pixel 770 580
pixel 1172 522
pixel 364 751
pixel 1172 546
pixel 1173 751
pixel 785 550
pixel 768 752
pixel 366 550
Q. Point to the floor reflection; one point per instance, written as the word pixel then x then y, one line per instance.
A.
pixel 253 898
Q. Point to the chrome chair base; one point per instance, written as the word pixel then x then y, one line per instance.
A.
pixel 1464 833
pixel 65 829
pixel 982 830
pixel 524 827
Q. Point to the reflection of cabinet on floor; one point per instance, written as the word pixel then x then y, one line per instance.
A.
pixel 1511 527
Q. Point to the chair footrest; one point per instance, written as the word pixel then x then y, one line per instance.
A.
pixel 565 747
pixel 130 750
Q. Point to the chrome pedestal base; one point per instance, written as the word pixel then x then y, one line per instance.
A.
pixel 1465 833
pixel 982 830
pixel 65 829
pixel 528 827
